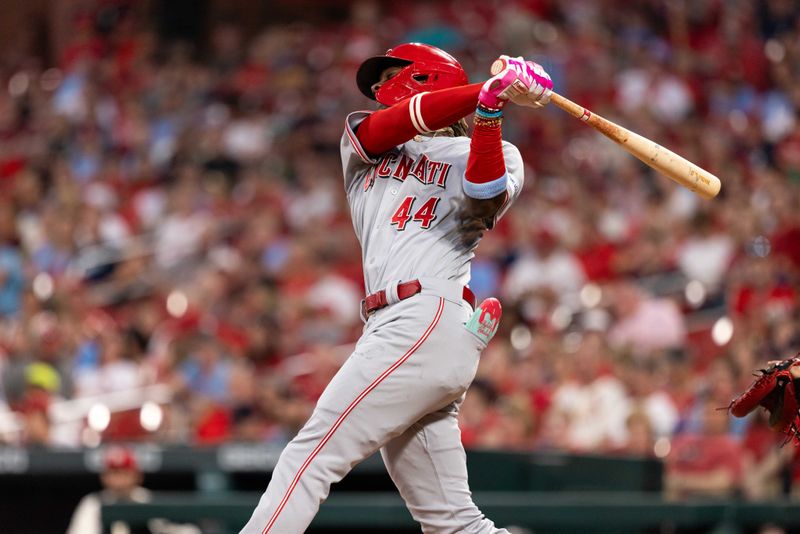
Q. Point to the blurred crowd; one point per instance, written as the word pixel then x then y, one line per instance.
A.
pixel 172 214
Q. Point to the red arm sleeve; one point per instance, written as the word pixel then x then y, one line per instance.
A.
pixel 485 162
pixel 422 113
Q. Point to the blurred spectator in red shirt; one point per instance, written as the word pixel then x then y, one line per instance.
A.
pixel 706 463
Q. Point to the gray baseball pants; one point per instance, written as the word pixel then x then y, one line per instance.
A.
pixel 399 391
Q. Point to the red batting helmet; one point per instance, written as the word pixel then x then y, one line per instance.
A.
pixel 426 68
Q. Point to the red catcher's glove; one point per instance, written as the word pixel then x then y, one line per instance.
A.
pixel 777 391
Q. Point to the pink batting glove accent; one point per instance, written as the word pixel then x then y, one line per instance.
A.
pixel 538 85
pixel 498 89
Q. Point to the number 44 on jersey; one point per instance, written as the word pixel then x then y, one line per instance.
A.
pixel 425 215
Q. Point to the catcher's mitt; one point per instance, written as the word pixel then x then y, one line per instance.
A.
pixel 777 389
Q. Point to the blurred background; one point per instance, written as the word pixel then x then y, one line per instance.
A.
pixel 178 270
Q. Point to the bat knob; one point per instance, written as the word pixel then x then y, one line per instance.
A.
pixel 497 66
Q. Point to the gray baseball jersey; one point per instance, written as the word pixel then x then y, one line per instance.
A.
pixel 400 390
pixel 406 206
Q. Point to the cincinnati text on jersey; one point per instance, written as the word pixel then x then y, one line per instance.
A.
pixel 400 166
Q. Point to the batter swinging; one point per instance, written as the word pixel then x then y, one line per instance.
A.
pixel 421 193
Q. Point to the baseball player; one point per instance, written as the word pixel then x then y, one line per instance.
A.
pixel 420 193
pixel 121 479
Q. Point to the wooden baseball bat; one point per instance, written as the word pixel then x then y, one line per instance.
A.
pixel 667 162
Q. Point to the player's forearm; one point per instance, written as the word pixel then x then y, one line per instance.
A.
pixel 422 113
pixel 485 176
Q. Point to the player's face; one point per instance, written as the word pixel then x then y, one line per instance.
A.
pixel 386 75
pixel 120 481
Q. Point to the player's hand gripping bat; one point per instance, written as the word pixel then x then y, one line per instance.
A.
pixel 668 163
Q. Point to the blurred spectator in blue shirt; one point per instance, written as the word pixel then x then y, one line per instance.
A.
pixel 12 277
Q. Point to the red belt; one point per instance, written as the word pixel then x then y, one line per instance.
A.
pixel 377 300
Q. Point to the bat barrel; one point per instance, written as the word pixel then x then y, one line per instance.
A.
pixel 665 161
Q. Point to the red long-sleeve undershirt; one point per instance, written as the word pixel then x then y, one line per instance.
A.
pixel 486 162
pixel 387 128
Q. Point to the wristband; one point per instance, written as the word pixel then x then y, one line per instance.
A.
pixel 488 123
pixel 487 113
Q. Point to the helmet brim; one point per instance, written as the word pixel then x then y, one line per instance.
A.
pixel 370 72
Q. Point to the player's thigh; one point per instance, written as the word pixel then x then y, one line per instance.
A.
pixel 419 360
pixel 413 365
